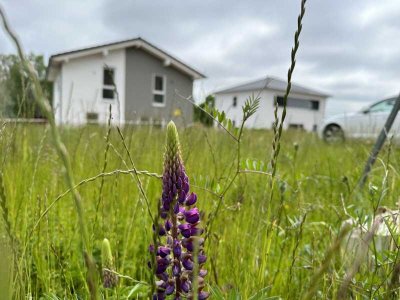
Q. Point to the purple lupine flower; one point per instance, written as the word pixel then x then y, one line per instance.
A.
pixel 187 262
pixel 203 273
pixel 192 216
pixel 202 259
pixel 191 199
pixel 189 243
pixel 180 230
pixel 163 251
pixel 170 287
pixel 203 295
pixel 185 286
pixel 177 248
pixel 168 225
pixel 185 230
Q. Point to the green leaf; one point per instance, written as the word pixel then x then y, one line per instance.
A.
pixel 217 188
pixel 221 117
pixel 138 289
pixel 248 164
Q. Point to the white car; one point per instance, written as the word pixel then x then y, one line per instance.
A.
pixel 366 123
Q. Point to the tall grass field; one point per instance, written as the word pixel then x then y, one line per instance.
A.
pixel 270 239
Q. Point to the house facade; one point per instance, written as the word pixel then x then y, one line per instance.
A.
pixel 305 106
pixel 142 83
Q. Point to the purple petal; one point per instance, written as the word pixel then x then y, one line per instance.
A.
pixel 185 230
pixel 161 230
pixel 177 249
pixel 176 208
pixel 185 286
pixel 188 244
pixel 203 273
pixel 182 196
pixel 162 265
pixel 185 186
pixel 203 295
pixel 179 183
pixel 191 199
pixel 169 182
pixel 176 269
pixel 163 214
pixel 166 206
pixel 168 225
pixel 174 190
pixel 202 258
pixel 170 288
pixel 174 178
pixel 161 269
pixel 192 215
pixel 196 231
pixel 187 263
pixel 163 251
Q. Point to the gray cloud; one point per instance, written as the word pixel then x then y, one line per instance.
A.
pixel 349 49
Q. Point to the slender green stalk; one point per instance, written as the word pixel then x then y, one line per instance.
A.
pixel 276 146
pixel 105 162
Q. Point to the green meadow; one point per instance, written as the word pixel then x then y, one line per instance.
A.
pixel 267 238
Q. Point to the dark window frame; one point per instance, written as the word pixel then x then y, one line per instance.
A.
pixel 108 90
pixel 234 103
pixel 309 104
pixel 156 92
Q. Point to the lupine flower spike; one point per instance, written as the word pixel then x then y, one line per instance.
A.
pixel 110 278
pixel 179 230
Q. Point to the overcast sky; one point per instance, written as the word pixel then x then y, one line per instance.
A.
pixel 349 49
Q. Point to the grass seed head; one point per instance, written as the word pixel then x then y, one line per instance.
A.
pixel 110 278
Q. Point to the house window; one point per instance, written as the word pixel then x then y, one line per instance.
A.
pixel 314 105
pixel 234 104
pixel 108 83
pixel 298 103
pixel 296 126
pixel 159 90
pixel 92 117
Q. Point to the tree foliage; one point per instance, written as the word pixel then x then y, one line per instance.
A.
pixel 200 115
pixel 16 98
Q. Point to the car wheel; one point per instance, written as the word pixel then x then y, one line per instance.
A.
pixel 333 134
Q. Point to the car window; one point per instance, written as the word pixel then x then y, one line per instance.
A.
pixel 384 106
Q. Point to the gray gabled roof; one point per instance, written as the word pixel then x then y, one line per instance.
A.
pixel 271 83
pixel 59 58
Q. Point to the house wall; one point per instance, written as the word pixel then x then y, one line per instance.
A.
pixel 264 117
pixel 81 89
pixel 140 70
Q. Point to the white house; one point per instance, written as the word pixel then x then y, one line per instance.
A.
pixel 305 106
pixel 141 82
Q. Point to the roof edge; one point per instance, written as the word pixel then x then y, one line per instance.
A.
pixel 139 42
pixel 269 78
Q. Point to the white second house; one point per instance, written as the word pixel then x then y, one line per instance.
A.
pixel 305 106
